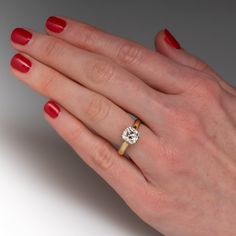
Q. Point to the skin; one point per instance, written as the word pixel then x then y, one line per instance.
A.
pixel 181 175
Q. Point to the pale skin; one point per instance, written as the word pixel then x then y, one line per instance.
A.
pixel 181 175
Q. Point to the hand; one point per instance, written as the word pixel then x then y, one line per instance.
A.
pixel 181 175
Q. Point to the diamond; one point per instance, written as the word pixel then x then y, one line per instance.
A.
pixel 130 135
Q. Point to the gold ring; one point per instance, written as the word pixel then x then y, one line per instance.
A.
pixel 130 135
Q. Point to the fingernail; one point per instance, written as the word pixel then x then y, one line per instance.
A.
pixel 55 24
pixel 21 63
pixel 21 36
pixel 52 109
pixel 170 39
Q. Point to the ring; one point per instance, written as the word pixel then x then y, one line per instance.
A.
pixel 130 135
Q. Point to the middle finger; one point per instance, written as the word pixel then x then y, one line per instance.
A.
pixel 94 110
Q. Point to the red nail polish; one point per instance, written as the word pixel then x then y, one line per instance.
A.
pixel 52 109
pixel 55 24
pixel 21 36
pixel 170 39
pixel 21 63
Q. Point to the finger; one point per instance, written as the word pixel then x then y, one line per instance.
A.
pixel 94 72
pixel 121 174
pixel 167 45
pixel 155 69
pixel 95 111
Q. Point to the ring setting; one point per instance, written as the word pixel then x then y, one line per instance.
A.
pixel 130 135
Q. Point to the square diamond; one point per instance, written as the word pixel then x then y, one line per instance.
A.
pixel 130 135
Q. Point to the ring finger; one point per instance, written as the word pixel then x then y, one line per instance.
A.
pixel 94 110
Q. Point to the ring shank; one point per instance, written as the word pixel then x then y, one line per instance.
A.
pixel 123 148
pixel 137 123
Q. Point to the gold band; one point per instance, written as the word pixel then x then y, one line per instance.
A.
pixel 125 144
pixel 137 123
pixel 123 148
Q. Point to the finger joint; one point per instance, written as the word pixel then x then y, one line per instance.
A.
pixel 98 109
pixel 102 156
pixel 130 54
pixel 52 48
pixel 101 71
pixel 47 84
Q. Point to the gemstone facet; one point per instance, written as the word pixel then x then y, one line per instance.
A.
pixel 130 135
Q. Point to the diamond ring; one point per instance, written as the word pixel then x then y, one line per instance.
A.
pixel 130 136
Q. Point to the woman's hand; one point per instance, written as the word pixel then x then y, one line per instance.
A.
pixel 181 175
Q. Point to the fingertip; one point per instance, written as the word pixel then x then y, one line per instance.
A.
pixel 170 40
pixel 51 109
pixel 158 40
pixel 21 63
pixel 55 24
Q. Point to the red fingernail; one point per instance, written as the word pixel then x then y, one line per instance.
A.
pixel 21 36
pixel 55 24
pixel 21 63
pixel 170 39
pixel 52 109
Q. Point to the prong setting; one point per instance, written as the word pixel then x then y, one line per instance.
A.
pixel 130 135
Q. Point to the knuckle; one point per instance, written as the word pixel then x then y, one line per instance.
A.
pixel 177 160
pixel 52 47
pixel 101 71
pixel 98 109
pixel 88 34
pixel 74 135
pixel 209 85
pixel 130 53
pixel 102 156
pixel 200 65
pixel 47 84
pixel 137 87
pixel 207 89
pixel 186 120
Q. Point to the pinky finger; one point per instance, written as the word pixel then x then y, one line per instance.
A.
pixel 119 173
pixel 166 44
